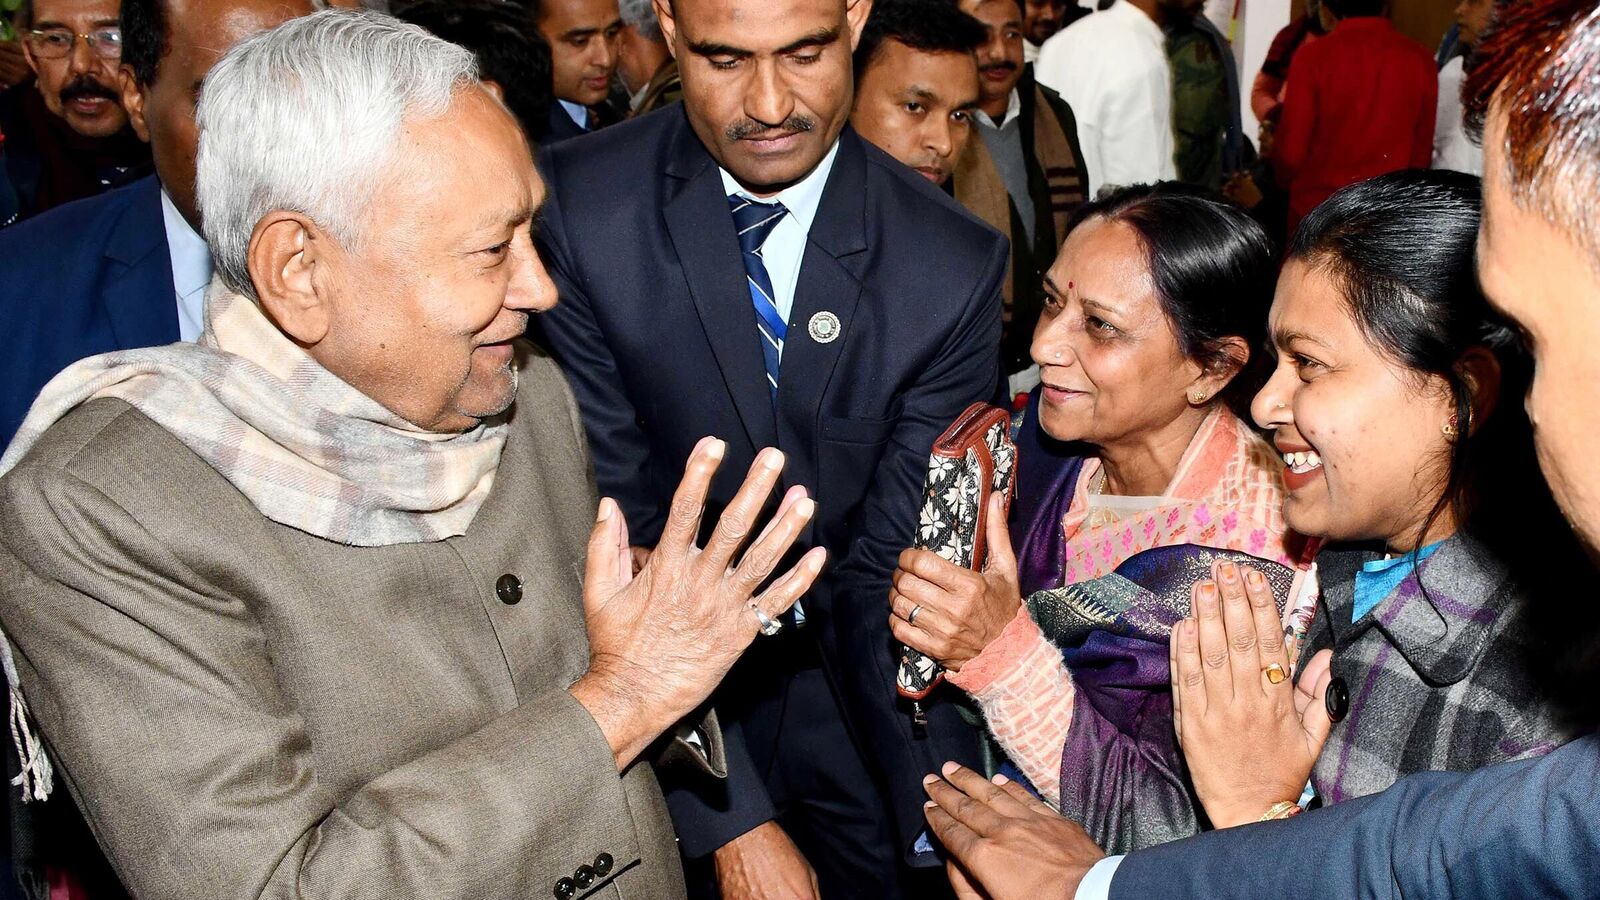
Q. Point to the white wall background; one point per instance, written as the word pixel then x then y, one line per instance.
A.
pixel 1258 23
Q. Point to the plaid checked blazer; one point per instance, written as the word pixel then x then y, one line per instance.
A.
pixel 1441 675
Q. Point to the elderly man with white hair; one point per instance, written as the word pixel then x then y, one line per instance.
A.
pixel 320 606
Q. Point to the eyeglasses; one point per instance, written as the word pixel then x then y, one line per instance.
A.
pixel 55 43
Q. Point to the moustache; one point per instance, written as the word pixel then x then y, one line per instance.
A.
pixel 1004 66
pixel 84 86
pixel 749 128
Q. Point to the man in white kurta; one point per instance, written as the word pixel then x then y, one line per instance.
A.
pixel 1111 68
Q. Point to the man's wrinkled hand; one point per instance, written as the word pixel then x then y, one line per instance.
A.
pixel 764 864
pixel 1005 843
pixel 660 641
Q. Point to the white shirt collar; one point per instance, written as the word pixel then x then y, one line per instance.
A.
pixel 1013 109
pixel 191 268
pixel 801 198
pixel 577 112
pixel 637 97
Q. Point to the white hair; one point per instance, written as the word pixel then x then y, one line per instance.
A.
pixel 305 117
pixel 641 14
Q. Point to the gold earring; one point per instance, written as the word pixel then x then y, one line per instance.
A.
pixel 1450 429
pixel 1197 398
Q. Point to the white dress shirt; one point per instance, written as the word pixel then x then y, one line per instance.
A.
pixel 785 247
pixel 191 269
pixel 1452 149
pixel 1112 69
pixel 1096 883
pixel 1013 109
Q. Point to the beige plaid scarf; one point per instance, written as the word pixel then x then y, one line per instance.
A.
pixel 307 449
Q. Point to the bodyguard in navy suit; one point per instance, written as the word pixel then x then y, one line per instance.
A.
pixel 672 325
pixel 85 278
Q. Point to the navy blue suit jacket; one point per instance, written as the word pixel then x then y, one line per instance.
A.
pixel 85 278
pixel 1529 829
pixel 657 334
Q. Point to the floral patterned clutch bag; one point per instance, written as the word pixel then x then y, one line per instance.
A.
pixel 974 457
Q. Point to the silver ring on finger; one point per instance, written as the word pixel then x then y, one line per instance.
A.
pixel 912 619
pixel 769 625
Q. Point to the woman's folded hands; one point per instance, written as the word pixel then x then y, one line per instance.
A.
pixel 1250 734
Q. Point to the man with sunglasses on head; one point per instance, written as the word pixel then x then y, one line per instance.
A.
pixel 67 133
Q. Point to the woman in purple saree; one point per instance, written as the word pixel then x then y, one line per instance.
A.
pixel 1134 475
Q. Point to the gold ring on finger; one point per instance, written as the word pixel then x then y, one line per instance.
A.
pixel 1274 672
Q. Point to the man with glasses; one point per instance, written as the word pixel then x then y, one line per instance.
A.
pixel 67 135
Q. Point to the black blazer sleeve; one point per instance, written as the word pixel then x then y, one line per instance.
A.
pixel 965 372
pixel 1521 829
pixel 618 447
pixel 708 816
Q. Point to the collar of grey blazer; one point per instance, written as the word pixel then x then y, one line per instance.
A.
pixel 1442 631
pixel 840 224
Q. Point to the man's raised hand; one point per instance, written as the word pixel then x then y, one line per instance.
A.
pixel 660 641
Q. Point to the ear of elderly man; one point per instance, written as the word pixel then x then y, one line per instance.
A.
pixel 324 603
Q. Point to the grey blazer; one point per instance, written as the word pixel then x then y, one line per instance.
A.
pixel 1443 673
pixel 243 710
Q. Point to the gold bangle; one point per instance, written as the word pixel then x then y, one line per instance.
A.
pixel 1281 810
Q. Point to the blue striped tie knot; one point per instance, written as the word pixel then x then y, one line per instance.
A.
pixel 754 221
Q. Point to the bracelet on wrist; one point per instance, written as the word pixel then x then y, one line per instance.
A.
pixel 1281 810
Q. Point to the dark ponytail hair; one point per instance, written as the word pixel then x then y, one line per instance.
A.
pixel 1213 269
pixel 1402 249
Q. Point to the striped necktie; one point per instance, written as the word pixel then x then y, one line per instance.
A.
pixel 755 222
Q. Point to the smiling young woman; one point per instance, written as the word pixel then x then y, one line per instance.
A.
pixel 1395 406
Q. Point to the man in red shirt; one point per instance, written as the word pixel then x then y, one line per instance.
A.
pixel 1359 102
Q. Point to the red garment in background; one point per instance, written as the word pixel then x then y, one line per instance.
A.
pixel 1266 93
pixel 1359 102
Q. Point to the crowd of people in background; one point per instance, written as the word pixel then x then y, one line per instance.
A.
pixel 474 448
